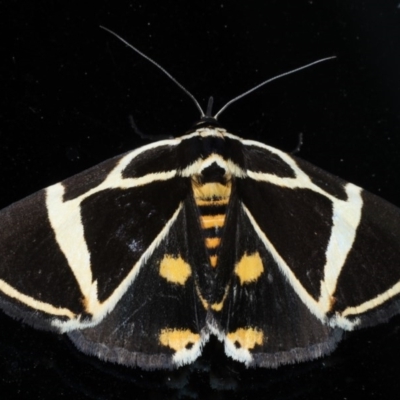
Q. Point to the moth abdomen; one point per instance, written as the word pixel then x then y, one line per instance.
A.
pixel 212 192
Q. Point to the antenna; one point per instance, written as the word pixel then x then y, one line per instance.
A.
pixel 210 102
pixel 159 67
pixel 268 81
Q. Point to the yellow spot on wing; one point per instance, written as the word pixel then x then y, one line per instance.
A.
pixel 175 270
pixel 249 268
pixel 212 221
pixel 178 339
pixel 246 338
pixel 213 261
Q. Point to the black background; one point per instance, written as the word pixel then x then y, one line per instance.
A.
pixel 68 88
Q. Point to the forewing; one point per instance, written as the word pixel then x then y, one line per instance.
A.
pixel 263 322
pixel 70 251
pixel 160 321
pixel 337 245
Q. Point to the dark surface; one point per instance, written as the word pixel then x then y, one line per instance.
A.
pixel 68 89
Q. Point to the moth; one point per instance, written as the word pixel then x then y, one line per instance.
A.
pixel 144 256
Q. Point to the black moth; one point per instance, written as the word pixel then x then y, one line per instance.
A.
pixel 143 257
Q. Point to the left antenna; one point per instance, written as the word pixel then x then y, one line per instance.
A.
pixel 159 67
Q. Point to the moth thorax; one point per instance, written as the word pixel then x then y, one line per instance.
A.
pixel 211 192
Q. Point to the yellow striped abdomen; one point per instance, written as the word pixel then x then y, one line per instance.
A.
pixel 212 199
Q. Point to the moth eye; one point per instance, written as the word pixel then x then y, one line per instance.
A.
pixel 237 344
pixel 189 345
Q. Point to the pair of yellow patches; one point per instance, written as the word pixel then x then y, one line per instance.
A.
pixel 176 270
pixel 180 339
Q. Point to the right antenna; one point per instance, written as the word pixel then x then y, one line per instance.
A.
pixel 268 81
